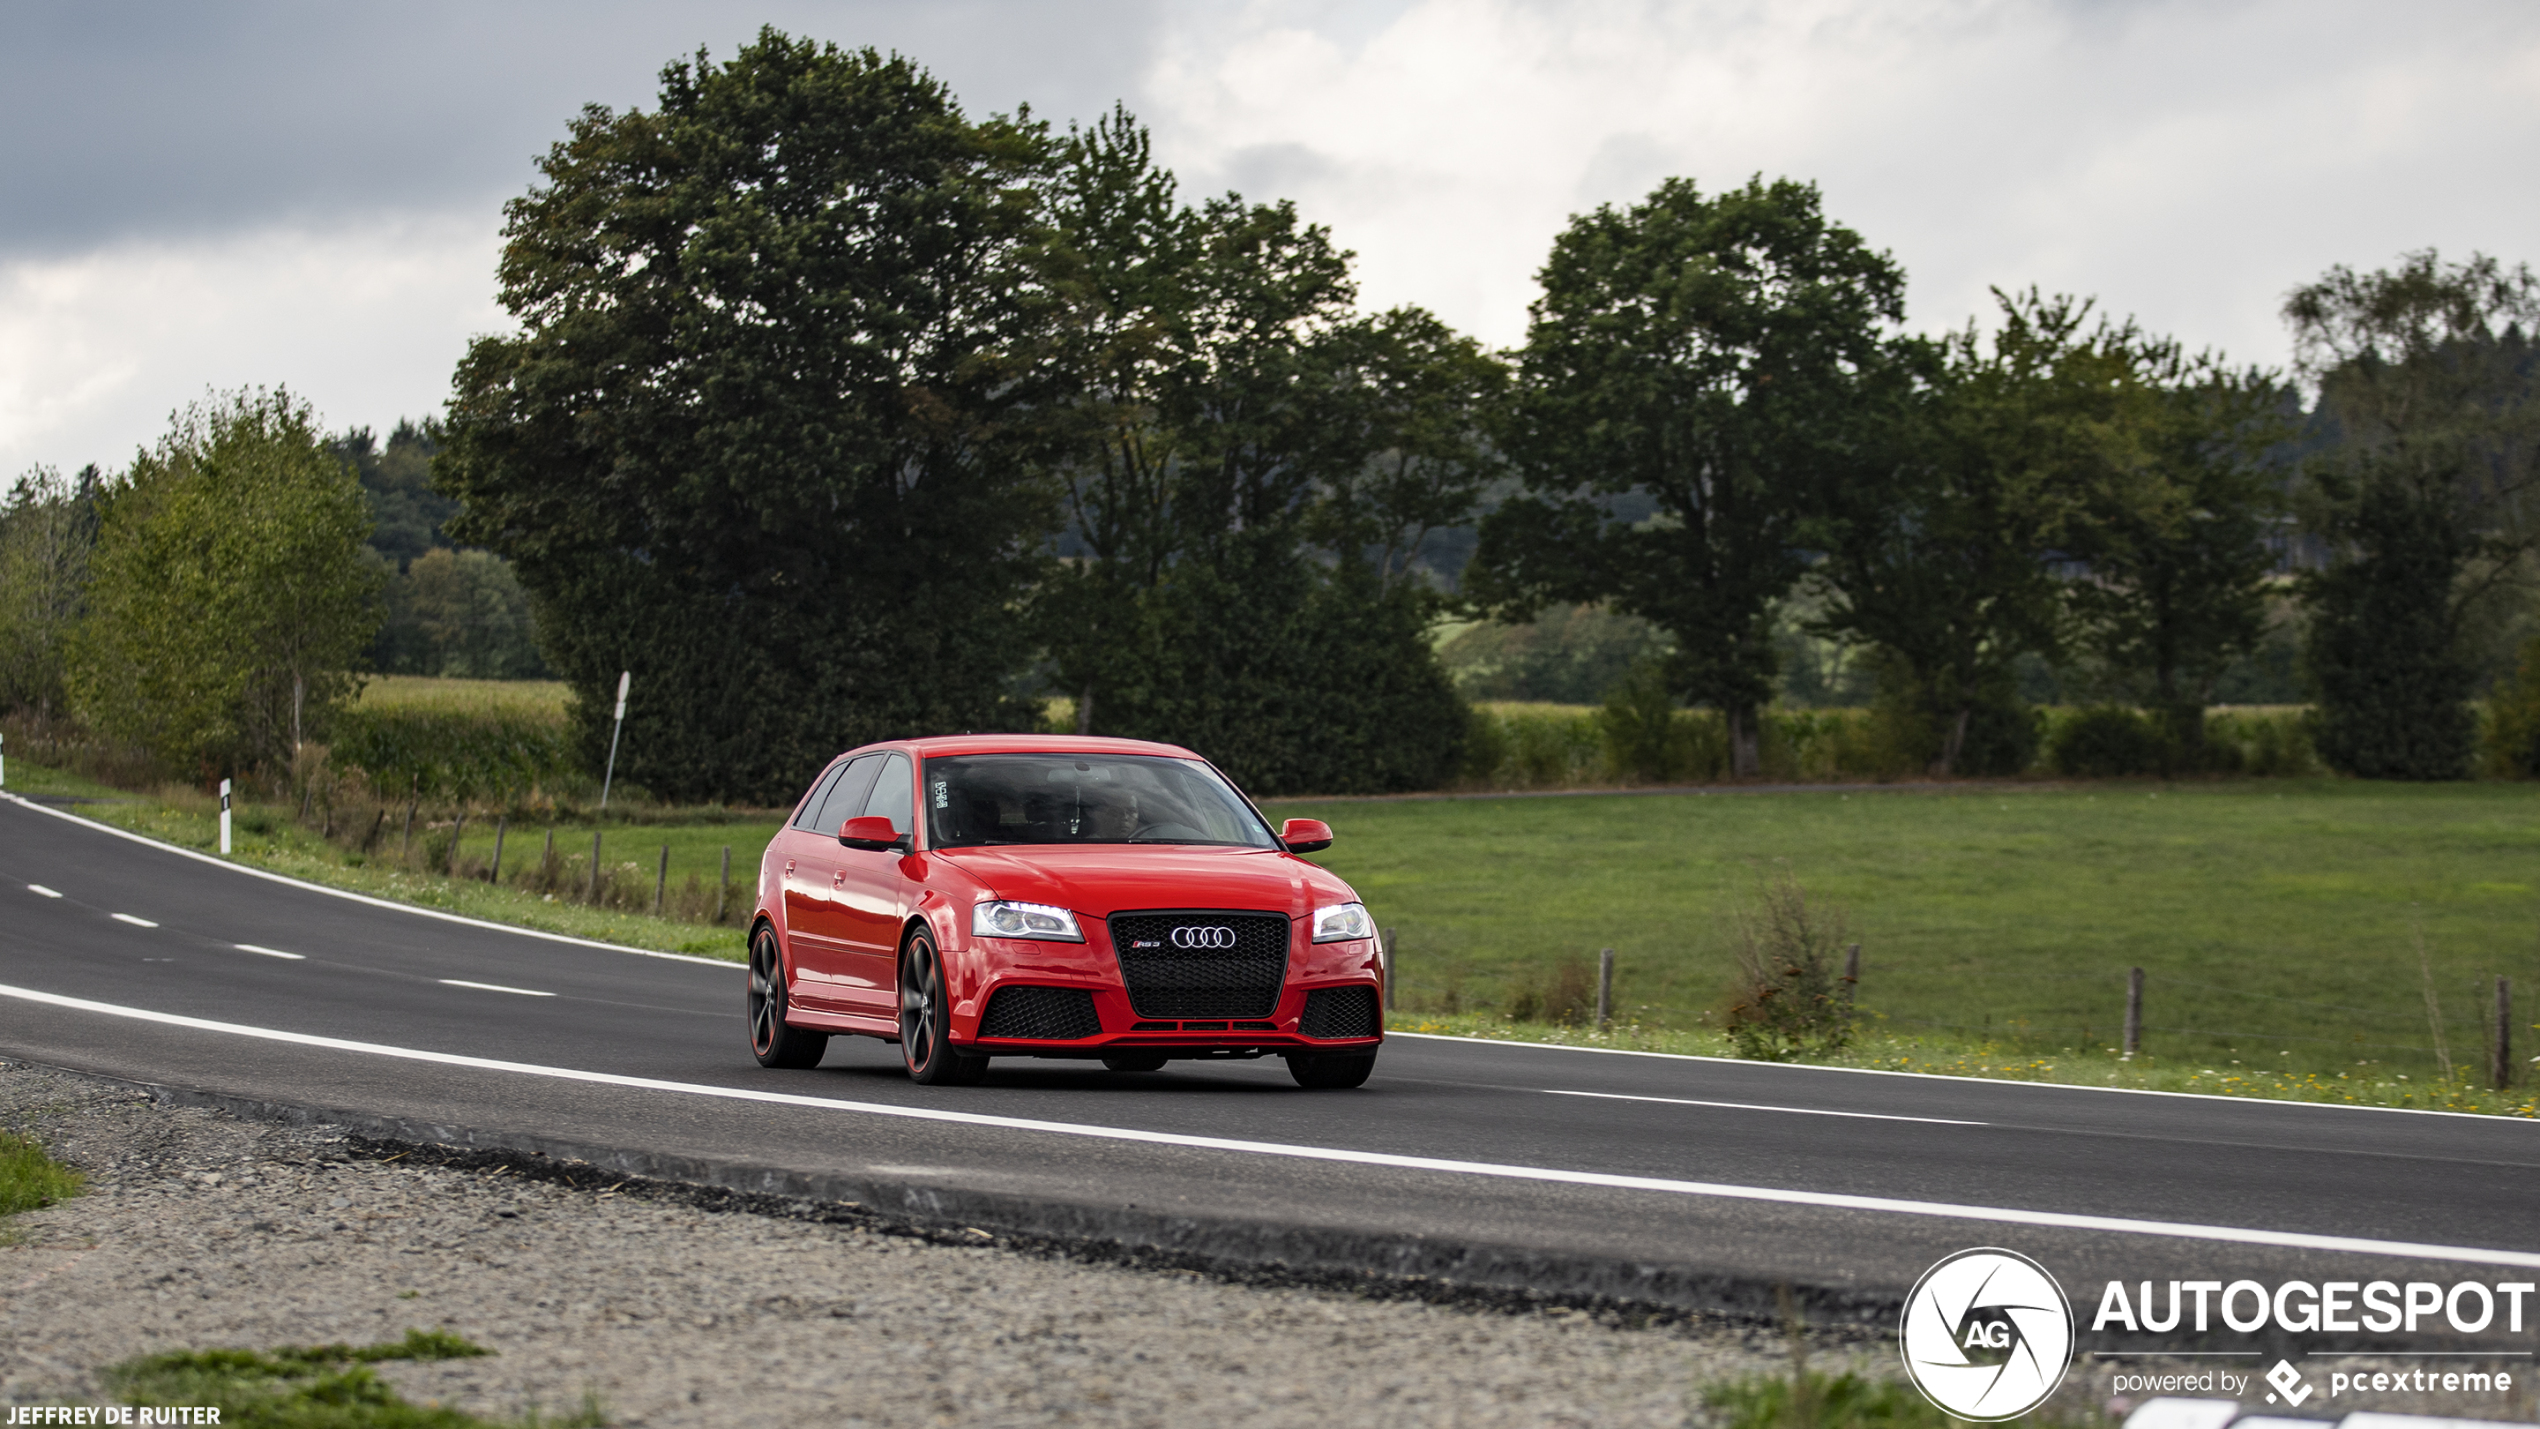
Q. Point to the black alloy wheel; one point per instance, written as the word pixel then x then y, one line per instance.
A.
pixel 1331 1073
pixel 1135 1062
pixel 926 1020
pixel 774 1043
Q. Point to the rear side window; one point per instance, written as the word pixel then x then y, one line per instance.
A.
pixel 808 817
pixel 891 794
pixel 845 799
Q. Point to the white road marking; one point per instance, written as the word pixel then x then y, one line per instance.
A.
pixel 128 918
pixel 41 891
pixel 2236 1235
pixel 2010 1082
pixel 495 987
pixel 352 897
pixel 1757 1106
pixel 271 952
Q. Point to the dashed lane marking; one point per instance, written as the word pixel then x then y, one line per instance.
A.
pixel 40 891
pixel 1759 1106
pixel 270 952
pixel 494 987
pixel 128 918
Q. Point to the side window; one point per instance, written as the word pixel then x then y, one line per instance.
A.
pixel 808 817
pixel 845 800
pixel 891 794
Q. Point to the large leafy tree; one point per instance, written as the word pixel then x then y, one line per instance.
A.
pixel 2177 528
pixel 759 439
pixel 1249 465
pixel 229 591
pixel 1973 485
pixel 2430 389
pixel 1692 376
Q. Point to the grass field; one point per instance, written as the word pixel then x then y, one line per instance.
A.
pixel 431 692
pixel 2277 922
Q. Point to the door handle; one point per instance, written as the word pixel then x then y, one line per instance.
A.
pixel 838 880
pixel 789 868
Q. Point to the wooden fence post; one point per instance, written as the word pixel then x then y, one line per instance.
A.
pixel 495 873
pixel 1851 973
pixel 723 890
pixel 1385 942
pixel 2133 1013
pixel 661 880
pixel 592 896
pixel 1604 989
pixel 2504 1067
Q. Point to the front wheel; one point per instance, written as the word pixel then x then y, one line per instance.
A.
pixel 774 1043
pixel 1331 1073
pixel 926 1020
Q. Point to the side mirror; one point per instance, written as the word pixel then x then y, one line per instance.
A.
pixel 1306 835
pixel 873 834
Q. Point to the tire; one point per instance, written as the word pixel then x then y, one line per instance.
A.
pixel 1331 1073
pixel 926 1020
pixel 1136 1062
pixel 774 1043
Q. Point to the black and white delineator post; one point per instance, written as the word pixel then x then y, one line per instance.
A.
pixel 224 816
pixel 623 676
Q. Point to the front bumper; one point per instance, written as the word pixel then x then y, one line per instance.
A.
pixel 1351 971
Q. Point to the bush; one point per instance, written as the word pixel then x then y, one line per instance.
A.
pixel 1565 997
pixel 2511 743
pixel 1791 997
pixel 2104 742
pixel 453 753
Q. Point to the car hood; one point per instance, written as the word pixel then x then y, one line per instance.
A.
pixel 1104 879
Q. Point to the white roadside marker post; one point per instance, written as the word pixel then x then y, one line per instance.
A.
pixel 224 818
pixel 623 676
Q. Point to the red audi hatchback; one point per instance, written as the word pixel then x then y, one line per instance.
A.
pixel 1048 896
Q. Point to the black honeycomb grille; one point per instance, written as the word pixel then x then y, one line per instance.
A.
pixel 1041 1014
pixel 1241 978
pixel 1339 1012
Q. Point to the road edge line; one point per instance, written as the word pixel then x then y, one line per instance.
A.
pixel 1825 1200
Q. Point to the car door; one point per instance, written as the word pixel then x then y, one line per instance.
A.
pixel 822 960
pixel 871 896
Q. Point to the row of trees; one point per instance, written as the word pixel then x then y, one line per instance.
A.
pixel 811 369
pixel 835 414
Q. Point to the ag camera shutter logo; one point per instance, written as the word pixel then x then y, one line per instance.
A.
pixel 1987 1334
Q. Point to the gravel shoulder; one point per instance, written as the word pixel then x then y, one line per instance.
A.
pixel 202 1230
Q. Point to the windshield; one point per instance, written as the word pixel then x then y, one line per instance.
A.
pixel 978 799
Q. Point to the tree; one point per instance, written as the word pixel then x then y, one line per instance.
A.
pixel 2425 376
pixel 1970 488
pixel 229 591
pixel 760 438
pixel 2177 534
pixel 1249 466
pixel 1690 377
pixel 47 530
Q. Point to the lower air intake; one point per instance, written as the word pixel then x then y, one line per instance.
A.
pixel 1041 1014
pixel 1339 1012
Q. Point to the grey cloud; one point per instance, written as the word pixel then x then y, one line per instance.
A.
pixel 170 118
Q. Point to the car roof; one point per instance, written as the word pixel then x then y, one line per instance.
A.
pixel 1034 744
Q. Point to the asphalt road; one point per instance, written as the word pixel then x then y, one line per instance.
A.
pixel 1680 1180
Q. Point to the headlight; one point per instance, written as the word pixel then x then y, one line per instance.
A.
pixel 1024 920
pixel 1342 922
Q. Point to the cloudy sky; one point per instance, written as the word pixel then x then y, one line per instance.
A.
pixel 209 195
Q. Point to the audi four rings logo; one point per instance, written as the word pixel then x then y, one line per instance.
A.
pixel 1987 1334
pixel 1203 937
